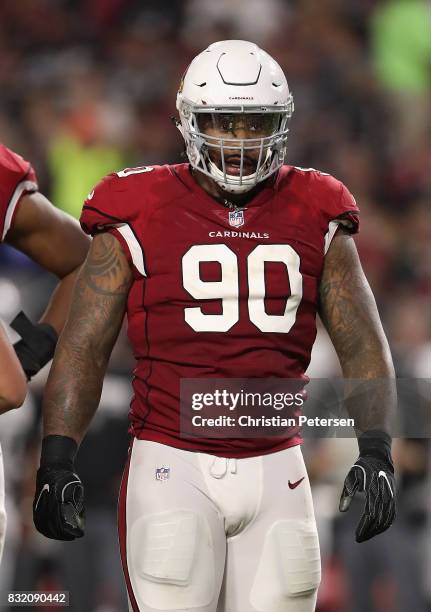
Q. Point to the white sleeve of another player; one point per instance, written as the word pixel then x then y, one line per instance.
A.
pixel 19 190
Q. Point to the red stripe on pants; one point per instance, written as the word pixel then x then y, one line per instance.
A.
pixel 122 530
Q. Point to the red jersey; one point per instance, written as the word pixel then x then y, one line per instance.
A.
pixel 217 293
pixel 17 177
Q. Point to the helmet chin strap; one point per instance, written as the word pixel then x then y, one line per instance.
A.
pixel 236 189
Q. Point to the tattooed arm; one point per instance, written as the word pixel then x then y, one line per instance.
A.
pixel 75 384
pixel 99 302
pixel 349 313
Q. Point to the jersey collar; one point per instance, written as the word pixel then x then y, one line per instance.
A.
pixel 183 173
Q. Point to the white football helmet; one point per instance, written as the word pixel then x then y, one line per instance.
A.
pixel 235 81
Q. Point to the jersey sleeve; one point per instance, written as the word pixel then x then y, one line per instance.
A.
pixel 341 211
pixel 106 210
pixel 17 178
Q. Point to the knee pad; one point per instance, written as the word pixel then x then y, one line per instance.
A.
pixel 289 568
pixel 171 558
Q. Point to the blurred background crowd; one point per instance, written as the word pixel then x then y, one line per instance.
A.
pixel 88 87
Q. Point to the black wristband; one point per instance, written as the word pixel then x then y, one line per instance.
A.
pixel 37 345
pixel 49 332
pixel 32 332
pixel 58 450
pixel 375 443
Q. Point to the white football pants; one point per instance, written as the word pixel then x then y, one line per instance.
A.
pixel 2 507
pixel 200 533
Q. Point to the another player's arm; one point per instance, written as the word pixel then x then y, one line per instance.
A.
pixel 98 306
pixel 13 385
pixel 54 240
pixel 348 311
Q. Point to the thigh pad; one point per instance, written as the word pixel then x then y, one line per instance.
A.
pixel 172 560
pixel 289 567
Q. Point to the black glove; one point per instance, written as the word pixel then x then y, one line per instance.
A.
pixel 373 474
pixel 58 507
pixel 37 345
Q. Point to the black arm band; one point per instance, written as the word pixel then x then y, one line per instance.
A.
pixel 32 334
pixel 58 450
pixel 37 344
pixel 375 443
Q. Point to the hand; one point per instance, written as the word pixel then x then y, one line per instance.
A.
pixel 58 507
pixel 372 474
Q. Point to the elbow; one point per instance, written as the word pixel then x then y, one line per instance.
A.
pixel 13 396
pixel 11 402
pixel 69 276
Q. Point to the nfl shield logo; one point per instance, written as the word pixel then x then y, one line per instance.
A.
pixel 162 473
pixel 236 218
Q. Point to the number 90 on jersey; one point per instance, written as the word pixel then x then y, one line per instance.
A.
pixel 227 289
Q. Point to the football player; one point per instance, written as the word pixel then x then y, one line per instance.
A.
pixel 13 388
pixel 30 223
pixel 221 265
pixel 13 383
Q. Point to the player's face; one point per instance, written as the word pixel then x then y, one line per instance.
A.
pixel 232 127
